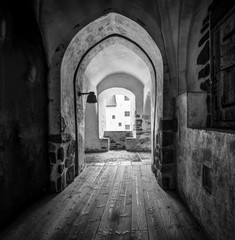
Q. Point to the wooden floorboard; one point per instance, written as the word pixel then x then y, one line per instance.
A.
pixel 156 226
pixel 95 215
pixel 109 201
pixel 139 222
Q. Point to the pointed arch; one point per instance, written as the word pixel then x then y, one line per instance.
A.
pixel 63 123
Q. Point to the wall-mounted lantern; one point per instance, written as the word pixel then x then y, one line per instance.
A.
pixel 91 98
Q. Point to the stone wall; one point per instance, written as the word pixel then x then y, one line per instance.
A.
pixel 215 64
pixel 62 161
pixel 142 141
pixel 204 64
pixel 102 145
pixel 24 168
pixel 117 139
pixel 209 195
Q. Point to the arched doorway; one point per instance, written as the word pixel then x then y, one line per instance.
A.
pixel 110 26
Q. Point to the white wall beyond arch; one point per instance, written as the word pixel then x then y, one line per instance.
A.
pixel 126 81
pixel 102 105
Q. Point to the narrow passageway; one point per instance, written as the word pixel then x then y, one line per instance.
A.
pixel 115 197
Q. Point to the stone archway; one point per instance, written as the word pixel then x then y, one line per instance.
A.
pixel 62 109
pixel 82 83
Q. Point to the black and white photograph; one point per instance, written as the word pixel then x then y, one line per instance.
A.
pixel 117 120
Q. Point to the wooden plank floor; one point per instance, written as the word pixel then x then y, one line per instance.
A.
pixel 117 200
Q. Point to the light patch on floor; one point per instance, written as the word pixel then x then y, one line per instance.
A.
pixel 118 157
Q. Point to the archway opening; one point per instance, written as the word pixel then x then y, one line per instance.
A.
pixel 87 43
pixel 118 64
pixel 117 108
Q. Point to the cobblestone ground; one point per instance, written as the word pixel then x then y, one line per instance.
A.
pixel 112 157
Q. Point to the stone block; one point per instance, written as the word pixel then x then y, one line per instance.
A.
pixel 71 148
pixel 153 168
pixel 51 147
pixel 165 182
pixel 138 123
pixel 51 167
pixel 158 138
pixel 52 157
pixel 204 72
pixel 157 162
pixel 205 27
pixel 158 146
pixel 66 138
pixel 206 19
pixel 167 155
pixel 167 168
pixel 117 139
pixel 205 86
pixel 208 103
pixel 157 153
pixel 167 139
pixel 61 183
pixel 203 39
pixel 55 138
pixel 137 144
pixel 53 186
pixel 167 124
pixel 208 121
pixel 68 161
pixel 70 174
pixel 60 138
pixel 204 55
pixel 60 154
pixel 60 168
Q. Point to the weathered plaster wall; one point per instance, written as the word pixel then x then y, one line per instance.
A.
pixel 24 169
pixel 94 142
pixel 194 147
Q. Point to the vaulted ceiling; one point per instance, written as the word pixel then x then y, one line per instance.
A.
pixel 116 59
pixel 173 25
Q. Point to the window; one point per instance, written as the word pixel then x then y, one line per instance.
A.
pixel 127 114
pixel 223 73
pixel 206 178
pixel 119 124
pixel 127 127
pixel 126 98
pixel 113 116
